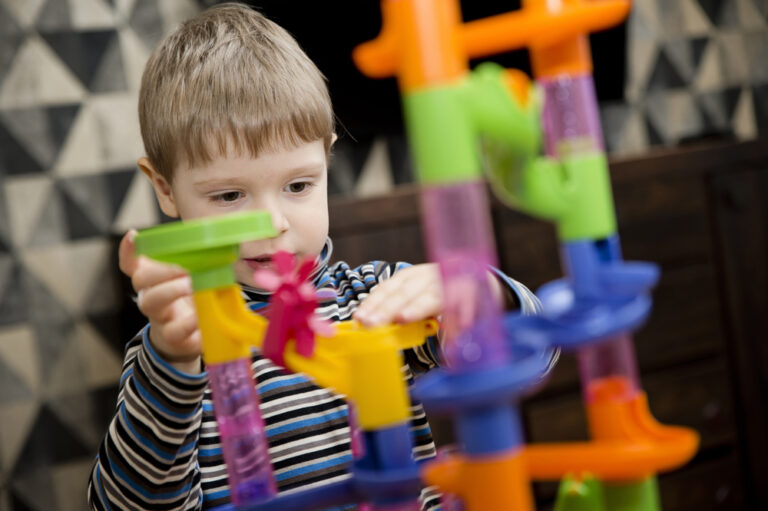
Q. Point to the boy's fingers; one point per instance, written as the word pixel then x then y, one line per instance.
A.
pixel 375 298
pixel 126 253
pixel 389 302
pixel 155 301
pixel 149 273
pixel 180 330
pixel 423 306
pixel 411 307
pixel 369 311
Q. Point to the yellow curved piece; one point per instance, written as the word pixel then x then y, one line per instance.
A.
pixel 350 333
pixel 365 364
pixel 228 327
pixel 362 363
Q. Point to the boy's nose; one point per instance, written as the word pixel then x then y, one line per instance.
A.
pixel 279 220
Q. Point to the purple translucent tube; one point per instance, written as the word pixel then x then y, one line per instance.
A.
pixel 413 505
pixel 571 123
pixel 243 440
pixel 457 225
pixel 609 367
pixel 571 119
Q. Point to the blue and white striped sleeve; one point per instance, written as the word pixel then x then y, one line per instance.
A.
pixel 529 303
pixel 148 458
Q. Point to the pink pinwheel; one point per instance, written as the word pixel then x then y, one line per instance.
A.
pixel 292 307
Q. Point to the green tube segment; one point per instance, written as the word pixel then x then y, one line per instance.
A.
pixel 445 125
pixel 207 248
pixel 589 494
pixel 580 495
pixel 575 194
pixel 639 496
pixel 458 130
pixel 441 138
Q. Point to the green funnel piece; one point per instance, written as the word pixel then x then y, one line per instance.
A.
pixel 207 248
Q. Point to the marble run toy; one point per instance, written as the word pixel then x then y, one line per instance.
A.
pixel 460 122
pixel 363 364
pixel 457 120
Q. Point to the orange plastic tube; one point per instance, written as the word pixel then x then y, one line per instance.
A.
pixel 535 25
pixel 420 42
pixel 497 482
pixel 629 445
pixel 557 38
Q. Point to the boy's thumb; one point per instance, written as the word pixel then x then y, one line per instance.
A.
pixel 127 253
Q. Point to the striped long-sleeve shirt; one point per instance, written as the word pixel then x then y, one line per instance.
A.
pixel 162 449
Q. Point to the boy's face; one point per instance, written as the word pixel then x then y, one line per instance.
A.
pixel 290 184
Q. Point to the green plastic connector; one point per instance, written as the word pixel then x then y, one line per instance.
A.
pixel 640 496
pixel 445 123
pixel 587 185
pixel 498 116
pixel 589 494
pixel 207 248
pixel 441 136
pixel 575 193
pixel 580 495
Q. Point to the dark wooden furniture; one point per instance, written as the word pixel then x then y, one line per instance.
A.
pixel 700 214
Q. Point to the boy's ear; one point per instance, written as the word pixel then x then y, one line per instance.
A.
pixel 162 188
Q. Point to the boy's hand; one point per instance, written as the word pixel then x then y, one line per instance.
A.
pixel 411 294
pixel 165 298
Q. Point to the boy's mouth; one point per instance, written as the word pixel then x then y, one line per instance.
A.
pixel 259 262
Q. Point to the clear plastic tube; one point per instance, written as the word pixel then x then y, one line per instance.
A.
pixel 457 224
pixel 243 439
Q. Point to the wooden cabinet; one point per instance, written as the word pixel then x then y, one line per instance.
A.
pixel 701 215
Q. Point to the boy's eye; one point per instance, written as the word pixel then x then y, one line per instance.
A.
pixel 227 196
pixel 297 187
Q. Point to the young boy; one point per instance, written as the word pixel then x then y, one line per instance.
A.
pixel 235 117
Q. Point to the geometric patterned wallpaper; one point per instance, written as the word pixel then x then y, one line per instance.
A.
pixel 69 140
pixel 695 68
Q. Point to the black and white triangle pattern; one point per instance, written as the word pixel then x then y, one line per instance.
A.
pixel 69 186
pixel 696 71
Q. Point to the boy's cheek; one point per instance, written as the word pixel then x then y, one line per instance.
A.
pixel 244 273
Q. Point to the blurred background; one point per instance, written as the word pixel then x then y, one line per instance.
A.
pixel 683 87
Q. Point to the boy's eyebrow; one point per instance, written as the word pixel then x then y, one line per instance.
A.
pixel 310 167
pixel 216 181
pixel 222 180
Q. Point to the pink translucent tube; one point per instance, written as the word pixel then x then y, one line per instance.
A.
pixel 457 224
pixel 571 124
pixel 609 367
pixel 413 505
pixel 243 440
pixel 571 119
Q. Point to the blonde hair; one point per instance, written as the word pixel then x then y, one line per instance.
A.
pixel 230 79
